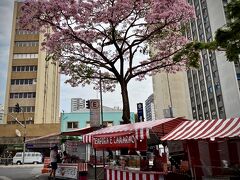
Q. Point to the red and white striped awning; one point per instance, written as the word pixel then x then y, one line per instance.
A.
pixel 205 129
pixel 140 129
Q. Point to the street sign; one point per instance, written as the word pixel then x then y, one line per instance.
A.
pixel 140 112
pixel 94 112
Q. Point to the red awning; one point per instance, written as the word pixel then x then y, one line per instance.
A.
pixel 79 132
pixel 205 129
pixel 140 130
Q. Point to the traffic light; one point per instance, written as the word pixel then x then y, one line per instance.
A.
pixel 17 108
pixel 88 104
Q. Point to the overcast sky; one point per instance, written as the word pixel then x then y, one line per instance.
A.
pixel 138 91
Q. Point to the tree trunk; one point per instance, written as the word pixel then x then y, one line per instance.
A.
pixel 126 108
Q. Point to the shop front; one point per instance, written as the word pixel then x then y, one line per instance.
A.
pixel 135 138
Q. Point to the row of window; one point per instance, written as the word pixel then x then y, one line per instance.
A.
pixel 20 31
pixel 26 43
pixel 74 124
pixel 22 81
pixel 23 95
pixel 24 68
pixel 23 109
pixel 25 56
pixel 15 122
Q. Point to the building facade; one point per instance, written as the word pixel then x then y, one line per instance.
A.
pixel 214 88
pixel 32 81
pixel 1 114
pixel 171 95
pixel 149 108
pixel 77 104
pixel 78 120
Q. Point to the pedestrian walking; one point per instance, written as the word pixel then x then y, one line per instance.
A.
pixel 53 159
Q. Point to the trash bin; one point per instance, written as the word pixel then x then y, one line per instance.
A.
pixel 82 175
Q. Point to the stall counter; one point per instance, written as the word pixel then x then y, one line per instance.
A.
pixel 70 170
pixel 116 173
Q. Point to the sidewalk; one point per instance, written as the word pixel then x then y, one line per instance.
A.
pixel 20 166
pixel 90 176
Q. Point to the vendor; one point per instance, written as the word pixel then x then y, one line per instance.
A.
pixel 132 152
pixel 144 165
pixel 65 157
pixel 157 161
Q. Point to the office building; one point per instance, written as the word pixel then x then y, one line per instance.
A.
pixel 77 104
pixel 149 108
pixel 171 95
pixel 214 88
pixel 32 81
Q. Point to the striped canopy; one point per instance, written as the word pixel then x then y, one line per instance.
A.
pixel 140 129
pixel 205 129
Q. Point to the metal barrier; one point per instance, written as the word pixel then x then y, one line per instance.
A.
pixel 6 161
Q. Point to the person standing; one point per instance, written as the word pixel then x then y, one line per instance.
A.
pixel 65 157
pixel 53 159
pixel 157 161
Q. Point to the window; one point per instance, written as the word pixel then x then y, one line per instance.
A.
pixel 210 90
pixel 219 98
pixel 25 56
pixel 22 32
pixel 238 76
pixel 23 109
pixel 72 125
pixel 26 43
pixel 206 115
pixel 217 86
pixel 24 68
pixel 211 101
pixel 21 81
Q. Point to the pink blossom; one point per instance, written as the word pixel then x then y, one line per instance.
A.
pixel 87 35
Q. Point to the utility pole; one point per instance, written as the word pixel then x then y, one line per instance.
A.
pixel 170 98
pixel 100 87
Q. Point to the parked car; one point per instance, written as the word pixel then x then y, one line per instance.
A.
pixel 30 157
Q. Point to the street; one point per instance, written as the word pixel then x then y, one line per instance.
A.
pixel 21 172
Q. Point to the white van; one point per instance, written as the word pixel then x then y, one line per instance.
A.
pixel 30 157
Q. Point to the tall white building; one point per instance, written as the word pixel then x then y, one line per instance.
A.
pixel 149 108
pixel 32 81
pixel 77 104
pixel 212 90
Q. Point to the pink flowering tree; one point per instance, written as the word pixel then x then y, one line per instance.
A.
pixel 86 36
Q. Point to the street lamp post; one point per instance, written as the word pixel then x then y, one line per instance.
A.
pixel 19 109
pixel 24 133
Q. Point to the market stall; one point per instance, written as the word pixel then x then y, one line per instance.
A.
pixel 213 147
pixel 75 167
pixel 133 137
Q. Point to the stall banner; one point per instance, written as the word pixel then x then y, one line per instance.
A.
pixel 76 148
pixel 122 140
pixel 119 140
pixel 67 171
